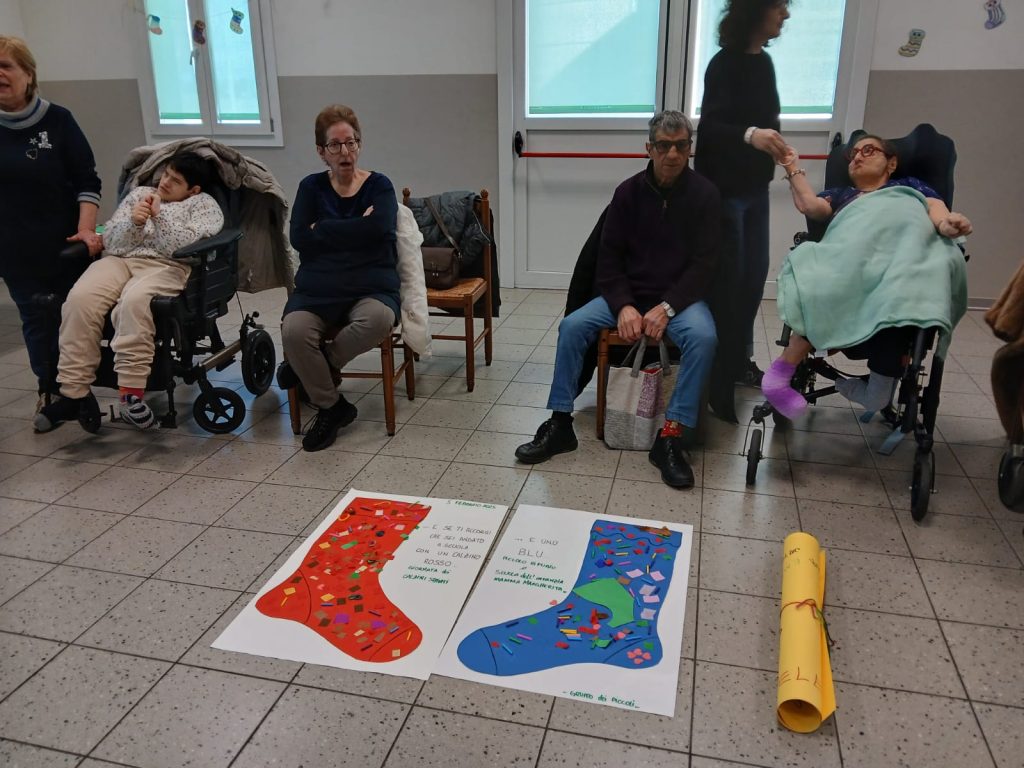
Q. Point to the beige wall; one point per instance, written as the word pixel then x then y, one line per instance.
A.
pixel 982 111
pixel 428 132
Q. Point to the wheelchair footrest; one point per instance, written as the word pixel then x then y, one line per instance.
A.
pixel 889 444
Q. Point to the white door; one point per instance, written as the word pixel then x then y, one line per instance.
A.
pixel 584 77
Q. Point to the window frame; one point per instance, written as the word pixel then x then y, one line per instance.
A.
pixel 268 133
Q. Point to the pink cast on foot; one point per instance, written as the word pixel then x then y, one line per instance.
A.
pixel 777 389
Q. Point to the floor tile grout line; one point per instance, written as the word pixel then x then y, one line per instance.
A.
pixel 5 737
pixel 263 719
pixel 946 697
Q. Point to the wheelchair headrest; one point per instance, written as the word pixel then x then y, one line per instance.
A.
pixel 923 153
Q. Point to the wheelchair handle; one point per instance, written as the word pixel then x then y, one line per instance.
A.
pixel 76 250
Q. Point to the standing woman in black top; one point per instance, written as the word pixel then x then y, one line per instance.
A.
pixel 738 144
pixel 49 195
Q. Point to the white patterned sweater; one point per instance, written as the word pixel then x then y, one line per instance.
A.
pixel 175 226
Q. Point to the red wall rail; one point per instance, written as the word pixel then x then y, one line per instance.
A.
pixel 628 155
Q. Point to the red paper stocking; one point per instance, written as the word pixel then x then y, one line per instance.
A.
pixel 336 591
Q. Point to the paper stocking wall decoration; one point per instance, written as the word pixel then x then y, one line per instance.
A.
pixel 913 45
pixel 996 14
pixel 236 21
pixel 336 592
pixel 153 23
pixel 609 617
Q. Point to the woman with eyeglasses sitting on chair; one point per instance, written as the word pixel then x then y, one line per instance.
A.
pixel 343 226
pixel 872 161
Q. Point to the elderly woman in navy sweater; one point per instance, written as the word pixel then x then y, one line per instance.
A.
pixel 343 226
pixel 49 194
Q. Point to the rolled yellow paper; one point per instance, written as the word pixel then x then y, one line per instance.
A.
pixel 806 695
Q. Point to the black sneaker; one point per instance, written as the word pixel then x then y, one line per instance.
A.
pixel 327 423
pixel 751 376
pixel 553 437
pixel 59 410
pixel 667 454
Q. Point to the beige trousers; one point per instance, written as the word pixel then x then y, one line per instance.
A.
pixel 127 284
pixel 308 350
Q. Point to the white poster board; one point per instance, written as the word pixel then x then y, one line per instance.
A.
pixel 587 607
pixel 375 588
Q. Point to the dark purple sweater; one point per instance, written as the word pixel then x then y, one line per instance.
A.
pixel 659 244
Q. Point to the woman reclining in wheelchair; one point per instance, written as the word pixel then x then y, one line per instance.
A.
pixel 148 226
pixel 885 267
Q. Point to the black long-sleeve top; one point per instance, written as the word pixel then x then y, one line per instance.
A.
pixel 659 244
pixel 347 256
pixel 46 169
pixel 739 92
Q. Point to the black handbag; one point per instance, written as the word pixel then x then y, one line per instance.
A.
pixel 440 263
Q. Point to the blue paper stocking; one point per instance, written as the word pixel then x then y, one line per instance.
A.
pixel 609 617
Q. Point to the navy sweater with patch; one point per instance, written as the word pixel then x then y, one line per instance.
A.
pixel 46 169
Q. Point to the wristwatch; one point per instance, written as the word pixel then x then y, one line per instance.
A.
pixel 668 309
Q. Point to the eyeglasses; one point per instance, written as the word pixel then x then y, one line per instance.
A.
pixel 868 150
pixel 662 147
pixel 334 147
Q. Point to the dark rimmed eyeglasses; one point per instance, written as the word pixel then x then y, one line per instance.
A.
pixel 334 147
pixel 662 147
pixel 868 150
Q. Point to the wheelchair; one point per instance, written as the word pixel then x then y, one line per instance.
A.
pixel 186 328
pixel 931 157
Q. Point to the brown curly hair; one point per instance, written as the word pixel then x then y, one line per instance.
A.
pixel 335 113
pixel 740 19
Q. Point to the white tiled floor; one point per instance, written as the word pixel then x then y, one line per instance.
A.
pixel 123 555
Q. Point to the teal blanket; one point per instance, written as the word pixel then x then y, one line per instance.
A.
pixel 880 265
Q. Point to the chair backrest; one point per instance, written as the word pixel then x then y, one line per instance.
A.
pixel 923 153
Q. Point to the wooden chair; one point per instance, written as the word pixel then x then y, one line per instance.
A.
pixel 610 338
pixel 464 294
pixel 388 374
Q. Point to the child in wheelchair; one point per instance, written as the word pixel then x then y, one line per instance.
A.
pixel 872 161
pixel 149 225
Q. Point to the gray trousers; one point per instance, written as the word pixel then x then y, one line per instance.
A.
pixel 309 352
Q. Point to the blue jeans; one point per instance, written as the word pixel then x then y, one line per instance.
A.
pixel 745 245
pixel 39 327
pixel 692 330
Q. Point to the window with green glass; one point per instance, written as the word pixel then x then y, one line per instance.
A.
pixel 591 57
pixel 210 69
pixel 806 55
pixel 170 50
pixel 232 65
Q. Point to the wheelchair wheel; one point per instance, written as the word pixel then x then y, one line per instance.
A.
pixel 258 361
pixel 753 456
pixel 219 411
pixel 1011 481
pixel 922 483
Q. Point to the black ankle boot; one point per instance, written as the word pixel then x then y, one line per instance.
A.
pixel 327 423
pixel 667 454
pixel 554 436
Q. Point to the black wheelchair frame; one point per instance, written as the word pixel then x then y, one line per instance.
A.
pixel 917 402
pixel 186 327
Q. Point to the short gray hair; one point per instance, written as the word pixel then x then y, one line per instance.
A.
pixel 669 121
